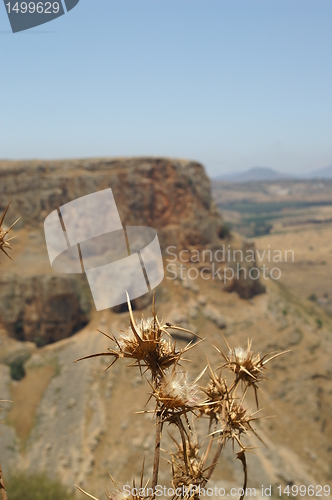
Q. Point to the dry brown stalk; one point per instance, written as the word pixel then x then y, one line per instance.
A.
pixel 215 459
pixel 242 457
pixel 156 460
pixel 150 347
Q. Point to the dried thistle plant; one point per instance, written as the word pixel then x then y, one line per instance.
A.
pixel 4 240
pixel 149 345
pixel 145 344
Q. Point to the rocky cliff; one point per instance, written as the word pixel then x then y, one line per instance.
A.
pixel 172 196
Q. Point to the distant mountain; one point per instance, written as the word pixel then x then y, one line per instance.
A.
pixel 322 173
pixel 253 174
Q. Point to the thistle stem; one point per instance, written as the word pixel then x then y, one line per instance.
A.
pixel 2 487
pixel 215 459
pixel 207 451
pixel 242 456
pixel 184 444
pixel 159 427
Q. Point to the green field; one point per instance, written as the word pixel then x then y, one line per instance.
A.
pixel 259 218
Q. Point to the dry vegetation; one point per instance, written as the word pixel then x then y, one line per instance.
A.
pixel 149 346
pixel 4 246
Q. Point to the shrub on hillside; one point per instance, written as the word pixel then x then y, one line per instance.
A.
pixel 17 371
pixel 35 487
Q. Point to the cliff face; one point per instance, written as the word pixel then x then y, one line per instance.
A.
pixel 172 196
pixel 42 308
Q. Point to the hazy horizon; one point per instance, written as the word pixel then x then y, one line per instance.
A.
pixel 206 166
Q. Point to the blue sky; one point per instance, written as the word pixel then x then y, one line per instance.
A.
pixel 231 83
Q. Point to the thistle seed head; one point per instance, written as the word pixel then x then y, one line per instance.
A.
pixel 175 391
pixel 4 240
pixel 245 364
pixel 217 393
pixel 144 343
pixel 236 422
pixel 239 355
pixel 237 417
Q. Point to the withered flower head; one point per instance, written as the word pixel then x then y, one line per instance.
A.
pixel 237 417
pixel 217 393
pixel 175 390
pixel 4 241
pixel 247 366
pixel 144 343
pixel 140 340
pixel 235 422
